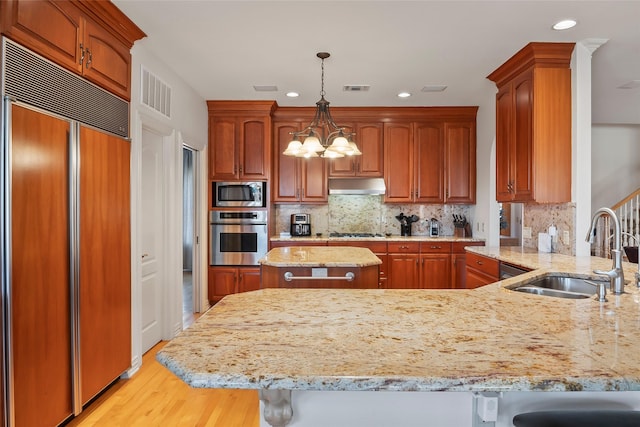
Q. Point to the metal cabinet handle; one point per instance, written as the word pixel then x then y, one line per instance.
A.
pixel 90 59
pixel 436 247
pixel 288 277
pixel 81 54
pixel 479 263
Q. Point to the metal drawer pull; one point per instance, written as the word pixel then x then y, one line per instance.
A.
pixel 288 276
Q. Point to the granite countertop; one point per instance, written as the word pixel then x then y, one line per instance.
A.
pixel 392 238
pixel 486 339
pixel 319 256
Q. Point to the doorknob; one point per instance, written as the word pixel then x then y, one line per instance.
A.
pixel 144 256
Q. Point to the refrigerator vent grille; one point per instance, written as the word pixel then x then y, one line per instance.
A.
pixel 156 94
pixel 34 80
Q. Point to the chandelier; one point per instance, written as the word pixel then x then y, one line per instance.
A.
pixel 322 138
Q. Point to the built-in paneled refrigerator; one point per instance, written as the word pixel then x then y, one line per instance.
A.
pixel 66 294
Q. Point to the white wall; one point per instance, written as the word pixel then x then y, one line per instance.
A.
pixel 615 171
pixel 188 125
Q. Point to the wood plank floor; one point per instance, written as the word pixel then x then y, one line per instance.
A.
pixel 156 397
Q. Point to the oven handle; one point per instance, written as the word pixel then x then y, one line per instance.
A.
pixel 288 276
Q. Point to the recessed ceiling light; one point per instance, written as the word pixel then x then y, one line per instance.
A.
pixel 265 88
pixel 434 88
pixel 293 94
pixel 404 95
pixel 564 24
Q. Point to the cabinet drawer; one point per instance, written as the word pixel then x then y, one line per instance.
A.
pixel 375 247
pixel 483 264
pixel 403 247
pixel 458 247
pixel 435 247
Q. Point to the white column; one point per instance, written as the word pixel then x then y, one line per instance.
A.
pixel 581 140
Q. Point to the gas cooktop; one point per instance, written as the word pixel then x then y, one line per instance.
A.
pixel 355 235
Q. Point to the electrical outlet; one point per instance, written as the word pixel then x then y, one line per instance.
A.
pixel 526 232
pixel 565 237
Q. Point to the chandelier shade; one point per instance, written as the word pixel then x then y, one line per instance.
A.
pixel 323 137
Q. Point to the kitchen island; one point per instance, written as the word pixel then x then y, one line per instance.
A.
pixel 319 267
pixel 372 357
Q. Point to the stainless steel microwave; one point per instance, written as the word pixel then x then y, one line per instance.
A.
pixel 239 194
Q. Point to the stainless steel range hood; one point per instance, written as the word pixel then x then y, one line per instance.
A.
pixel 369 186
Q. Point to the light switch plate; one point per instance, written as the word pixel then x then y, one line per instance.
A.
pixel 526 232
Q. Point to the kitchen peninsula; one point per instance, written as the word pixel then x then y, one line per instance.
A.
pixel 319 267
pixel 376 357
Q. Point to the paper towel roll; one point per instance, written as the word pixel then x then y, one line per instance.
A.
pixel 544 242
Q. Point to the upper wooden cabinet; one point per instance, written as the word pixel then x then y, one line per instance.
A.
pixel 533 125
pixel 432 161
pixel 295 179
pixel 369 139
pixel 90 38
pixel 239 139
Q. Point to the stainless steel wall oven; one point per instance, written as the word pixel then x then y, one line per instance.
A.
pixel 237 237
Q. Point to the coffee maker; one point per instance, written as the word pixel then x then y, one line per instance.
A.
pixel 301 224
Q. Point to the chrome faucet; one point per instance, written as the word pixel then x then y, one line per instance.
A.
pixel 616 274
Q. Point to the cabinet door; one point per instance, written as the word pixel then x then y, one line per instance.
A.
pixel 248 279
pixel 286 174
pixel 476 278
pixel 403 271
pixel 458 271
pixel 107 62
pixel 222 282
pixel 370 140
pixel 504 136
pixel 254 150
pixel 313 178
pixel 40 300
pixel 460 163
pixel 222 148
pixel 105 260
pixel 435 271
pixel 429 162
pixel 50 28
pixel 398 164
pixel 522 142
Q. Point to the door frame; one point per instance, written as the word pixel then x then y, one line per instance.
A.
pixel 170 255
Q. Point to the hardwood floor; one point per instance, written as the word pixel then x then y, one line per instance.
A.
pixel 156 397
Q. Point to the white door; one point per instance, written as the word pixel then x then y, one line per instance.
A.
pixel 151 242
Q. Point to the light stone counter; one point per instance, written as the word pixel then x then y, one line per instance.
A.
pixel 320 256
pixel 484 340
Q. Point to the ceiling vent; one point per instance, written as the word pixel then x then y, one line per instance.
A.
pixel 156 94
pixel 356 88
pixel 434 88
pixel 265 88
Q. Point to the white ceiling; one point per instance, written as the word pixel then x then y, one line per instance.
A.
pixel 224 48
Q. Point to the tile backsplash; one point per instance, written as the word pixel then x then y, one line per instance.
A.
pixel 540 217
pixel 369 214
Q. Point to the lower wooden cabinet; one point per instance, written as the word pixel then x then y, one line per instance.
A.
pixel 364 277
pixel 481 270
pixel 225 281
pixel 459 263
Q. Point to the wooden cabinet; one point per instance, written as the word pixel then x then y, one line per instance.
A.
pixel 459 263
pixel 533 125
pixel 460 163
pixel 295 179
pixel 481 270
pixel 404 265
pixel 225 281
pixel 431 161
pixel 78 36
pixel 239 140
pixel 363 277
pixel 369 139
pixel 435 265
pixel 379 249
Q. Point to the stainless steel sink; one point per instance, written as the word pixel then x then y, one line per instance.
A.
pixel 558 286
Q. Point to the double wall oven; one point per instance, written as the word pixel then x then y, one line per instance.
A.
pixel 238 227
